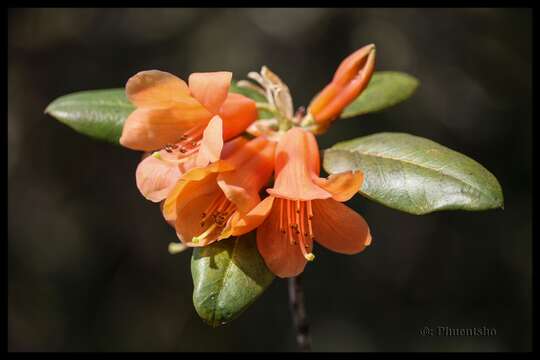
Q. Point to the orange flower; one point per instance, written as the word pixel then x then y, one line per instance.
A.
pixel 207 202
pixel 350 79
pixel 173 116
pixel 303 207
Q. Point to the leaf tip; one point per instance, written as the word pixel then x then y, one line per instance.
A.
pixel 48 110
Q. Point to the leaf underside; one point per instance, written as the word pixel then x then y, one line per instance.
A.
pixel 414 174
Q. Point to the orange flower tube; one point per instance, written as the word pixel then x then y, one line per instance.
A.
pixel 302 208
pixel 350 79
pixel 206 203
pixel 172 117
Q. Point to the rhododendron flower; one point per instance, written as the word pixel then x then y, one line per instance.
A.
pixel 171 117
pixel 207 202
pixel 350 79
pixel 302 207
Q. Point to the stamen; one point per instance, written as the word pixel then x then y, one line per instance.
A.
pixel 310 218
pixel 289 231
pixel 222 204
pixel 302 230
pixel 281 230
pixel 297 211
pixel 219 211
pixel 175 248
pixel 304 246
pixel 210 209
pixel 188 143
pixel 204 235
pixel 195 131
pixel 225 214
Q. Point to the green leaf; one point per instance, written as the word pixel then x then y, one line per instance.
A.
pixel 228 277
pixel 97 113
pixel 100 114
pixel 414 174
pixel 385 89
pixel 250 93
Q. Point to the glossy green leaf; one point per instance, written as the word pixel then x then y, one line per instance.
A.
pixel 385 89
pixel 97 113
pixel 414 174
pixel 228 277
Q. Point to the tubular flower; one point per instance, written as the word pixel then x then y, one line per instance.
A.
pixel 172 117
pixel 350 79
pixel 205 205
pixel 302 207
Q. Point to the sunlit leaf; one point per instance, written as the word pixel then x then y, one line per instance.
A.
pixel 414 174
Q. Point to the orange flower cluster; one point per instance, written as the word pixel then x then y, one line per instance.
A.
pixel 209 178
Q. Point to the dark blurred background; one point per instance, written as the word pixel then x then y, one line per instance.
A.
pixel 88 261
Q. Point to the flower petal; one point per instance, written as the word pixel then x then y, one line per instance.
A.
pixel 350 79
pixel 253 164
pixel 238 113
pixel 323 98
pixel 296 162
pixel 155 89
pixel 339 228
pixel 282 258
pixel 210 88
pixel 211 143
pixel 349 69
pixel 183 192
pixel 243 223
pixel 151 129
pixel 168 207
pixel 198 173
pixel 230 147
pixel 156 176
pixel 188 222
pixel 342 186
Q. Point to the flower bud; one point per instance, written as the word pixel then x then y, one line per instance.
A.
pixel 350 79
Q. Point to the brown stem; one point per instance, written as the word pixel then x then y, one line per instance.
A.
pixel 298 310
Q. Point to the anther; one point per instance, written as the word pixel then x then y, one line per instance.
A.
pixel 309 257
